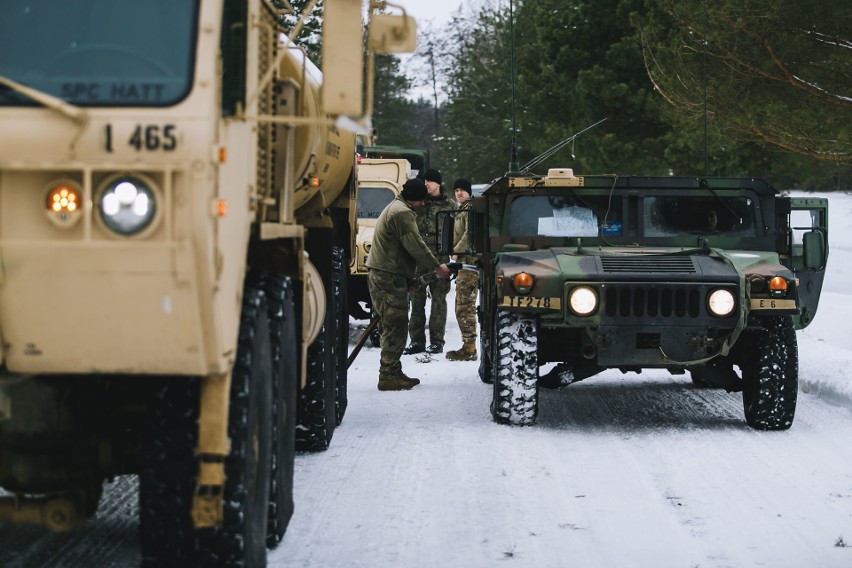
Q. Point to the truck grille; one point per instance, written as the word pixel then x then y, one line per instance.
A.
pixel 657 264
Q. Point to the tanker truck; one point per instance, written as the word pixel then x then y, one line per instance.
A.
pixel 177 209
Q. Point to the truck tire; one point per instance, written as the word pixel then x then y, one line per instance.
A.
pixel 167 474
pixel 516 370
pixel 241 540
pixel 340 281
pixel 167 477
pixel 285 394
pixel 317 408
pixel 771 375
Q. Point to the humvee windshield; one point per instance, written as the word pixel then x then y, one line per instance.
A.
pixel 562 215
pixel 98 53
pixel 372 201
pixel 603 216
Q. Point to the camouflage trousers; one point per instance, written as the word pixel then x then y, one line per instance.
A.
pixel 389 294
pixel 438 288
pixel 467 284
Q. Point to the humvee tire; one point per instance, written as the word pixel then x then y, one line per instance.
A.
pixel 285 394
pixel 771 375
pixel 515 370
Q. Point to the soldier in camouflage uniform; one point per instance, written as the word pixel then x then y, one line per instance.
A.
pixel 467 282
pixel 396 252
pixel 437 288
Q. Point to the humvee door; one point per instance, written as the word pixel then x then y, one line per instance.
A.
pixel 809 248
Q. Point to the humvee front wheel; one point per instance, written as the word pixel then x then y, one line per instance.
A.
pixel 515 369
pixel 771 375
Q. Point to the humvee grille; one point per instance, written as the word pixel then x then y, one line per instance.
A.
pixel 659 263
pixel 658 301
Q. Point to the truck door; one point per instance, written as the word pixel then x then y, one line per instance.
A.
pixel 809 246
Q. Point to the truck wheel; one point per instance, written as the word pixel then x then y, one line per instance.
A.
pixel 340 281
pixel 241 540
pixel 771 376
pixel 516 370
pixel 168 472
pixel 317 409
pixel 285 393
pixel 170 467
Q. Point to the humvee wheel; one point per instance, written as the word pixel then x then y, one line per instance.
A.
pixel 515 370
pixel 285 393
pixel 771 376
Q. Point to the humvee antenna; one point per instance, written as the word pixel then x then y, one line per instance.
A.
pixel 513 159
pixel 555 148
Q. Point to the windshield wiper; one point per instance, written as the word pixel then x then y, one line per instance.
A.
pixel 75 113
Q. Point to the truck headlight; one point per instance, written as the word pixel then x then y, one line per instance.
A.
pixel 127 205
pixel 721 302
pixel 583 300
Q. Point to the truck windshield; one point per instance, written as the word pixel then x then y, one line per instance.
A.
pixel 372 201
pixel 98 53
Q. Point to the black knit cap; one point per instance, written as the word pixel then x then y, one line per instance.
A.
pixel 414 190
pixel 433 175
pixel 462 183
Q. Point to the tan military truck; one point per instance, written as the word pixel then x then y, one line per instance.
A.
pixel 177 205
pixel 379 182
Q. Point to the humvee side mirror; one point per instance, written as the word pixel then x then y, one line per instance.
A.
pixel 446 223
pixel 813 245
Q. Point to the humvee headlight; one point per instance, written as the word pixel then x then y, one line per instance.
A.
pixel 63 203
pixel 721 302
pixel 583 300
pixel 523 282
pixel 127 205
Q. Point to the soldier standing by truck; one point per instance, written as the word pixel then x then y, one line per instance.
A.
pixel 437 288
pixel 394 257
pixel 467 282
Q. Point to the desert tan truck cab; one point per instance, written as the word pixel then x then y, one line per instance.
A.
pixel 177 211
pixel 379 182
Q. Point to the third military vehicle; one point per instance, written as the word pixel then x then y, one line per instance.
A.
pixel 710 276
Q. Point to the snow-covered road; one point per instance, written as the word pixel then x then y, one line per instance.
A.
pixel 620 470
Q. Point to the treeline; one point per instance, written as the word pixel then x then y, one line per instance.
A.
pixel 687 87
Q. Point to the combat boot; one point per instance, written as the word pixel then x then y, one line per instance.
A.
pixel 466 353
pixel 397 382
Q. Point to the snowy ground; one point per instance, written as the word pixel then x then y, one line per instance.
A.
pixel 620 470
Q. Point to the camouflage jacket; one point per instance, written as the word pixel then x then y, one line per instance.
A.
pixel 397 245
pixel 460 234
pixel 427 224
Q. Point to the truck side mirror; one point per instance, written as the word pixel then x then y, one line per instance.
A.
pixel 392 34
pixel 813 245
pixel 342 58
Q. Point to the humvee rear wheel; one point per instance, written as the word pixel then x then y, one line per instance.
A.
pixel 771 375
pixel 515 369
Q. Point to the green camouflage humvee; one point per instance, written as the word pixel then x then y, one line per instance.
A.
pixel 711 276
